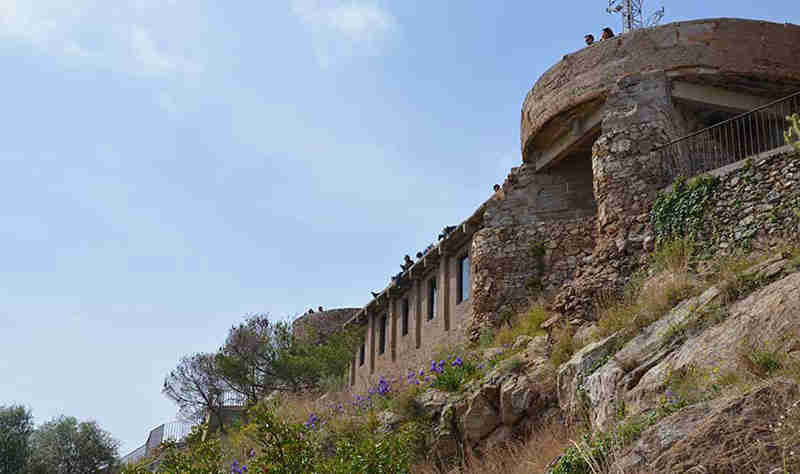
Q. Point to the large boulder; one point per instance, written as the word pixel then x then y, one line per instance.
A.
pixel 572 373
pixel 481 416
pixel 636 375
pixel 737 434
pixel 765 320
pixel 606 388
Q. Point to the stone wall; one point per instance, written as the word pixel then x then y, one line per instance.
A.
pixel 562 192
pixel 321 323
pixel 515 264
pixel 756 203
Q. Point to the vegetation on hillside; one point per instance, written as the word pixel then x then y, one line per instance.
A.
pixel 60 446
pixel 290 428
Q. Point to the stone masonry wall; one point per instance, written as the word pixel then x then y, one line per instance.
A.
pixel 756 203
pixel 639 115
pixel 562 192
pixel 514 264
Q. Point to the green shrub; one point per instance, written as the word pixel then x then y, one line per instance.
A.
pixel 588 456
pixel 792 135
pixel 765 362
pixel 454 375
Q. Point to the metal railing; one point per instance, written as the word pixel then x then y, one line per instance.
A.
pixel 231 399
pixel 172 431
pixel 737 138
pixel 134 456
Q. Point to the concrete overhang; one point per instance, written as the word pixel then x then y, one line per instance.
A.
pixel 580 127
pixel 757 58
pixel 717 97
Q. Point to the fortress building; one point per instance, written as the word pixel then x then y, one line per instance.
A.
pixel 601 134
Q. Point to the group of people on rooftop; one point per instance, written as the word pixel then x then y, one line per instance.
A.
pixel 607 33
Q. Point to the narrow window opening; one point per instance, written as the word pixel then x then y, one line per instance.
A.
pixel 361 354
pixel 463 279
pixel 382 335
pixel 432 291
pixel 404 316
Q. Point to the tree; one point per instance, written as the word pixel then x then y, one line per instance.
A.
pixel 64 446
pixel 255 359
pixel 260 356
pixel 196 387
pixel 16 427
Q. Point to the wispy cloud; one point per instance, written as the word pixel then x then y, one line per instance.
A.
pixel 136 36
pixel 342 29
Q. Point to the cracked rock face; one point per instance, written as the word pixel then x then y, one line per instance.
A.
pixel 636 374
pixel 725 435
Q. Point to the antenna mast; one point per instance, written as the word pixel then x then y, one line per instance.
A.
pixel 632 12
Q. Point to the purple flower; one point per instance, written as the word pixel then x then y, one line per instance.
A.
pixel 458 362
pixel 252 453
pixel 312 421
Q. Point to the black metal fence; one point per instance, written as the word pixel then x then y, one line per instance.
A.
pixel 729 141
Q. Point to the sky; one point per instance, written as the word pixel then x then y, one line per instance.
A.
pixel 170 166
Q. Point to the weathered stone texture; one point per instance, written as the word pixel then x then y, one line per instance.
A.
pixel 756 201
pixel 726 435
pixel 514 263
pixel 562 192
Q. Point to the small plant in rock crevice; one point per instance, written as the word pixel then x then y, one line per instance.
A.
pixel 792 134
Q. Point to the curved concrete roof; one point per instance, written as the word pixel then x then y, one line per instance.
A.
pixel 759 57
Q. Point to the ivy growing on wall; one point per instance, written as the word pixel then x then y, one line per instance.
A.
pixel 679 213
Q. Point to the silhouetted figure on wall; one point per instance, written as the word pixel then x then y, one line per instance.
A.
pixel 607 33
pixel 589 39
pixel 496 187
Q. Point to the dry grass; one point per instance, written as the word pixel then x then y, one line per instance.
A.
pixel 759 435
pixel 533 456
pixel 563 346
pixel 644 301
pixel 525 324
pixel 730 275
pixel 297 407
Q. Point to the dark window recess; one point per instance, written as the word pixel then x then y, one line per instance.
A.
pixel 382 335
pixel 432 291
pixel 404 317
pixel 463 279
pixel 361 354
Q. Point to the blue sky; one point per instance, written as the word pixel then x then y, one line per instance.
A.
pixel 168 166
